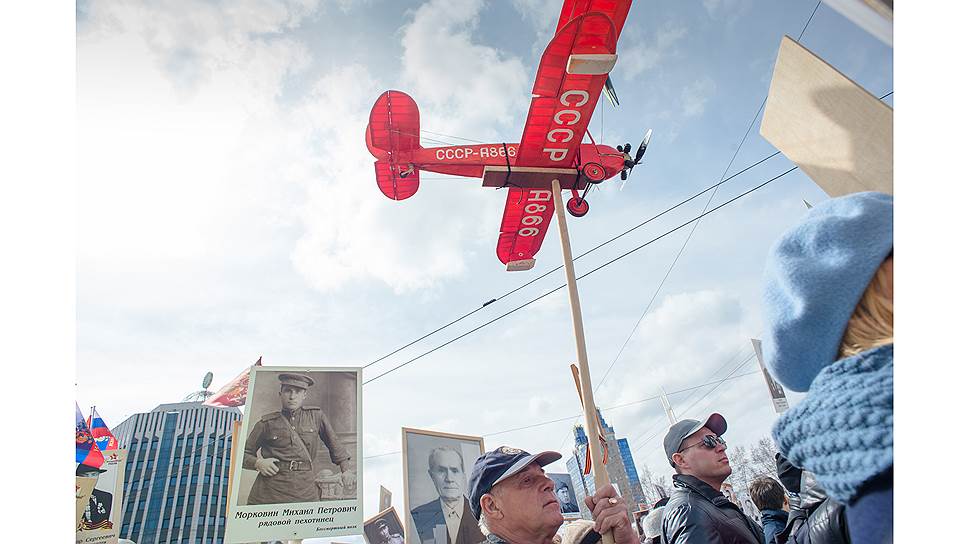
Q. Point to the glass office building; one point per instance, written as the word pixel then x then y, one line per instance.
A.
pixel 631 471
pixel 621 469
pixel 177 473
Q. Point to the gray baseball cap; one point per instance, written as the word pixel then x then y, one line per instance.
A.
pixel 682 429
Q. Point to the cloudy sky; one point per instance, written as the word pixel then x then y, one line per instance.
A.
pixel 227 210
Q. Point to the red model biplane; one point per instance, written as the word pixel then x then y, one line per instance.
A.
pixel 573 70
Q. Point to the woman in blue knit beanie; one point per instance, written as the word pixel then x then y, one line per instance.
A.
pixel 829 313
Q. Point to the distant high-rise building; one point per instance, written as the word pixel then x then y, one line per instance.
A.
pixel 633 474
pixel 177 473
pixel 621 469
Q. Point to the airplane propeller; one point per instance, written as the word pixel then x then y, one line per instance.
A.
pixel 610 93
pixel 630 163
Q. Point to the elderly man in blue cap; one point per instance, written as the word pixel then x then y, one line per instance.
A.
pixel 514 501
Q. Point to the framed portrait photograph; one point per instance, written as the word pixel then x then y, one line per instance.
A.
pixel 384 528
pixel 99 510
pixel 295 470
pixel 435 467
pixel 565 494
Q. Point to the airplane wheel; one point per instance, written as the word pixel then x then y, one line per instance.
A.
pixel 594 172
pixel 576 207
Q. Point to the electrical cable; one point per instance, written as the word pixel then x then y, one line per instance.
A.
pixel 592 271
pixel 559 267
pixel 695 225
pixel 616 407
pixel 706 394
pixel 729 362
pixel 453 137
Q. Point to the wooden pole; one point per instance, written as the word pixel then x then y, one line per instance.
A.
pixel 599 472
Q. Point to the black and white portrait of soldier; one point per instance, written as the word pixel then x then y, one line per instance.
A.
pixel 301 439
pixel 440 512
pixel 384 528
pixel 564 493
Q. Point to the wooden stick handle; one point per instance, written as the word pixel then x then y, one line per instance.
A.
pixel 599 472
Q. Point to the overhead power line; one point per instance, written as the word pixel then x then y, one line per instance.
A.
pixel 706 394
pixel 695 225
pixel 729 362
pixel 555 269
pixel 586 274
pixel 616 407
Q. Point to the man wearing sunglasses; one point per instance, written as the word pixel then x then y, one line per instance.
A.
pixel 697 511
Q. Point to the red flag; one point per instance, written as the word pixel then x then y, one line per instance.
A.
pixel 234 392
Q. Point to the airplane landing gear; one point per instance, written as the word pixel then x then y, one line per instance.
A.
pixel 576 206
pixel 593 172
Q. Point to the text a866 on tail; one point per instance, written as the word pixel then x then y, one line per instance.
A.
pixel 571 75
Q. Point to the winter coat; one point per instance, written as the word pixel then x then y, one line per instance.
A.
pixel 870 517
pixel 843 432
pixel 698 514
pixel 817 519
pixel 773 522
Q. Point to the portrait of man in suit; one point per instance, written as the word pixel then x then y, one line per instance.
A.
pixel 449 514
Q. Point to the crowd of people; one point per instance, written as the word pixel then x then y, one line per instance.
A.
pixel 829 314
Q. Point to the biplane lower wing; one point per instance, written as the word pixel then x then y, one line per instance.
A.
pixel 527 214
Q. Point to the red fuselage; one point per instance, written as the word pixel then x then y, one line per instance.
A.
pixel 470 160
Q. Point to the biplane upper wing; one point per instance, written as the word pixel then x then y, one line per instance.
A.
pixel 569 81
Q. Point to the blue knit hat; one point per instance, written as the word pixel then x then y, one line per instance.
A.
pixel 815 275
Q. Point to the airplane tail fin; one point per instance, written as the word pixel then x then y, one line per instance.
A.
pixel 392 133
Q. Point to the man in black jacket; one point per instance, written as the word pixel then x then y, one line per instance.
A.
pixel 697 511
pixel 814 517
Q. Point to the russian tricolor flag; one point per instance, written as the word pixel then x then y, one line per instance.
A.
pixel 101 433
pixel 86 451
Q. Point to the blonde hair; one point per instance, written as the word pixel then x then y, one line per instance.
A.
pixel 872 324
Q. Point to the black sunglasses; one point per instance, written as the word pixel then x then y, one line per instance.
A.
pixel 709 441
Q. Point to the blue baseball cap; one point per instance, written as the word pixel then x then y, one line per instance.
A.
pixel 498 465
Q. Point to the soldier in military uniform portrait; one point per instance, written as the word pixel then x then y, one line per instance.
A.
pixel 386 537
pixel 564 494
pixel 98 509
pixel 384 528
pixel 282 447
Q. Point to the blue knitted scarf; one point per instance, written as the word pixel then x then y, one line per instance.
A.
pixel 843 431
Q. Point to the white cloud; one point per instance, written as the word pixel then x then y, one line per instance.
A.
pixel 184 142
pixel 351 231
pixel 695 95
pixel 466 85
pixel 538 406
pixel 542 14
pixel 461 88
pixel 195 42
pixel 731 9
pixel 642 56
pixel 168 108
pixel 691 338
